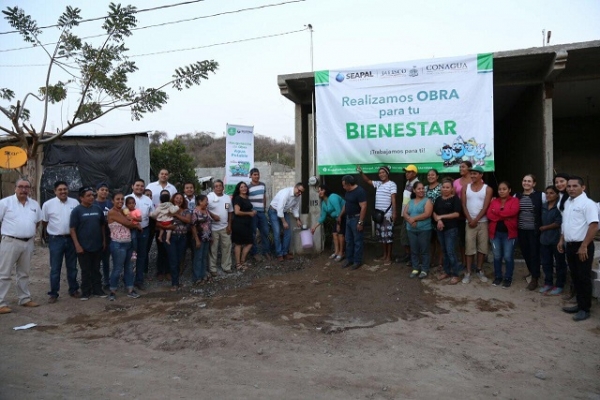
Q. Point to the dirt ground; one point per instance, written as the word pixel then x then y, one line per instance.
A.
pixel 301 329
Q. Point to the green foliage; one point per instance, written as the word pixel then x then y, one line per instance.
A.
pixel 102 78
pixel 171 155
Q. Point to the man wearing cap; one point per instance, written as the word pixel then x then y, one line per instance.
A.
pixel 56 214
pixel 476 198
pixel 354 210
pixel 285 202
pixel 87 231
pixel 385 200
pixel 580 224
pixel 105 205
pixel 410 172
pixel 19 216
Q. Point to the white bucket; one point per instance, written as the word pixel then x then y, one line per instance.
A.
pixel 307 239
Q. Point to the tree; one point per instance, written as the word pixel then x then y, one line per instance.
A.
pixel 101 83
pixel 171 155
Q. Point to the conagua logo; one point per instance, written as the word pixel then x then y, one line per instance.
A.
pixel 447 67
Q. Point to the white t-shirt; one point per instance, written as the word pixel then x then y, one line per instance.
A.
pixel 58 214
pixel 221 206
pixel 156 188
pixel 19 220
pixel 579 213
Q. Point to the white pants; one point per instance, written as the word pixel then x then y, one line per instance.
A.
pixel 15 252
pixel 223 239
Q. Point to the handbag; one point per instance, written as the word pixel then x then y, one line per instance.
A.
pixel 378 216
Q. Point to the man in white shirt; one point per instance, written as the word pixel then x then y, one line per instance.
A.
pixel 162 261
pixel 285 204
pixel 580 224
pixel 144 204
pixel 161 184
pixel 56 214
pixel 19 216
pixel 220 209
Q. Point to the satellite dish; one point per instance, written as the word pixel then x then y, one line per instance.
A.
pixel 12 157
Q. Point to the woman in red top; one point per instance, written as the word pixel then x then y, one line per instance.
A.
pixel 503 215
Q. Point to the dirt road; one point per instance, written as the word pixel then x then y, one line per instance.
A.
pixel 304 329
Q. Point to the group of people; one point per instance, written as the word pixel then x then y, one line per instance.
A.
pixel 452 222
pixel 554 228
pixel 110 239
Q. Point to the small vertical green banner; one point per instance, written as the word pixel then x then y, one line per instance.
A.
pixel 485 62
pixel 229 189
pixel 322 78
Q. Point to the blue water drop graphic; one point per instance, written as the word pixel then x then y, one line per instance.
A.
pixel 339 77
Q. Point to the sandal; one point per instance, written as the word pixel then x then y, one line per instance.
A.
pixel 454 280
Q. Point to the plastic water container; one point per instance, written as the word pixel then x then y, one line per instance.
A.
pixel 307 239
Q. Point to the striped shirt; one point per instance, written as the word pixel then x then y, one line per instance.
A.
pixel 256 195
pixel 383 196
pixel 526 215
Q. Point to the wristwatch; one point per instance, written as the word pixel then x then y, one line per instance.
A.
pixel 360 222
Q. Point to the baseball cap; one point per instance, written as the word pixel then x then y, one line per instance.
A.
pixel 101 184
pixel 477 168
pixel 411 168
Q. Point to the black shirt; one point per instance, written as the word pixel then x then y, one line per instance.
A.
pixel 353 198
pixel 448 206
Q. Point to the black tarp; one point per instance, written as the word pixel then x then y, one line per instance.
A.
pixel 89 161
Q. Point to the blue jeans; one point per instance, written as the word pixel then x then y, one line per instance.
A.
pixel 355 241
pixel 142 260
pixel 504 248
pixel 60 246
pixel 175 252
pixel 200 261
pixel 419 249
pixel 134 243
pixel 447 239
pixel 105 261
pixel 121 255
pixel 260 222
pixel 549 255
pixel 281 248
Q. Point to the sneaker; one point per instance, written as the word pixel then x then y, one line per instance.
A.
pixel 481 276
pixel 506 283
pixel 545 288
pixel 467 279
pixel 134 256
pixel 497 282
pixel 414 273
pixel 331 257
pixel 555 291
pixel 133 294
pixel 112 297
pixel 339 258
pixel 84 297
pixel 101 294
pixel 423 275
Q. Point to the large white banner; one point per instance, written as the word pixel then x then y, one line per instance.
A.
pixel 239 160
pixel 431 113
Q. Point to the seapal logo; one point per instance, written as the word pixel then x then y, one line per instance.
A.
pixel 244 131
pixel 359 75
pixel 447 67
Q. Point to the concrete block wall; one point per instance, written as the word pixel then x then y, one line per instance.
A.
pixel 281 180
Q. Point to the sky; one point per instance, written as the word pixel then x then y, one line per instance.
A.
pixel 244 90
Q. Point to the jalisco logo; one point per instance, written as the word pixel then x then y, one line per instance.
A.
pixel 391 73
